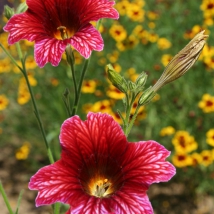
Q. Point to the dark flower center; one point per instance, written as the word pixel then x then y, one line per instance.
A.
pixel 63 33
pixel 101 176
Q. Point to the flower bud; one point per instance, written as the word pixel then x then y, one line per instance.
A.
pixel 22 8
pixel 147 96
pixel 132 86
pixel 141 80
pixel 182 61
pixel 116 79
pixel 8 12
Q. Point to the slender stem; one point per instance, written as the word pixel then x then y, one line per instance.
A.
pixel 132 121
pixel 5 199
pixel 37 114
pixel 77 98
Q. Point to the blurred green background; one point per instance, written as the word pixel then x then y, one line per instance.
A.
pixel 181 117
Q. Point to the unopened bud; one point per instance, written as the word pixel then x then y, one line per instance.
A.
pixel 147 96
pixel 141 80
pixel 8 12
pixel 132 86
pixel 183 61
pixel 22 8
pixel 116 79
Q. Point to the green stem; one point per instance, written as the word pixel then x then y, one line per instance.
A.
pixel 132 121
pixel 5 199
pixel 37 113
pixel 77 98
pixel 57 208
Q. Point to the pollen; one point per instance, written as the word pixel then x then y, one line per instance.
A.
pixel 101 188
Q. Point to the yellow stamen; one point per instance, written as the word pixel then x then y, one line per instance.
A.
pixel 63 32
pixel 101 188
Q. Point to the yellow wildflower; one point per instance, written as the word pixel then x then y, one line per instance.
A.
pixel 3 102
pixel 210 137
pixel 207 157
pixel 163 43
pixel 181 160
pixel 207 103
pixel 118 32
pixel 169 130
pixel 89 86
pixel 23 152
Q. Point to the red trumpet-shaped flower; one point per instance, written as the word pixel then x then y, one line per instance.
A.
pixel 53 24
pixel 99 171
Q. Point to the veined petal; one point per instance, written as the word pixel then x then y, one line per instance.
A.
pixel 131 199
pixel 97 9
pixel 55 183
pixel 86 40
pixel 37 7
pixel 98 135
pixel 49 50
pixel 144 162
pixel 23 26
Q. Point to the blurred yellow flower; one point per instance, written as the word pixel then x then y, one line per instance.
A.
pixel 191 33
pixel 151 25
pixel 153 37
pixel 163 43
pixel 113 57
pixel 207 158
pixel 165 59
pixel 207 103
pixel 122 7
pixel 3 102
pixel 5 65
pixel 152 15
pixel 23 152
pixel 210 137
pixel 114 93
pixel 89 86
pixel 30 62
pixel 118 32
pixel 135 13
pixel 196 159
pixel 207 7
pixel 183 142
pixel 103 106
pixel 169 130
pixel 181 160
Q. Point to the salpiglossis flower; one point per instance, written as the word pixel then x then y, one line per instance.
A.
pixel 100 171
pixel 54 24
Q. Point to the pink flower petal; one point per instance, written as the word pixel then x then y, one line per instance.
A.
pixel 23 26
pixel 144 162
pixel 96 10
pixel 131 199
pixel 99 134
pixel 55 183
pixel 49 50
pixel 86 40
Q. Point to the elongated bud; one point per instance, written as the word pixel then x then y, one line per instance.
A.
pixel 183 61
pixel 116 79
pixel 8 12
